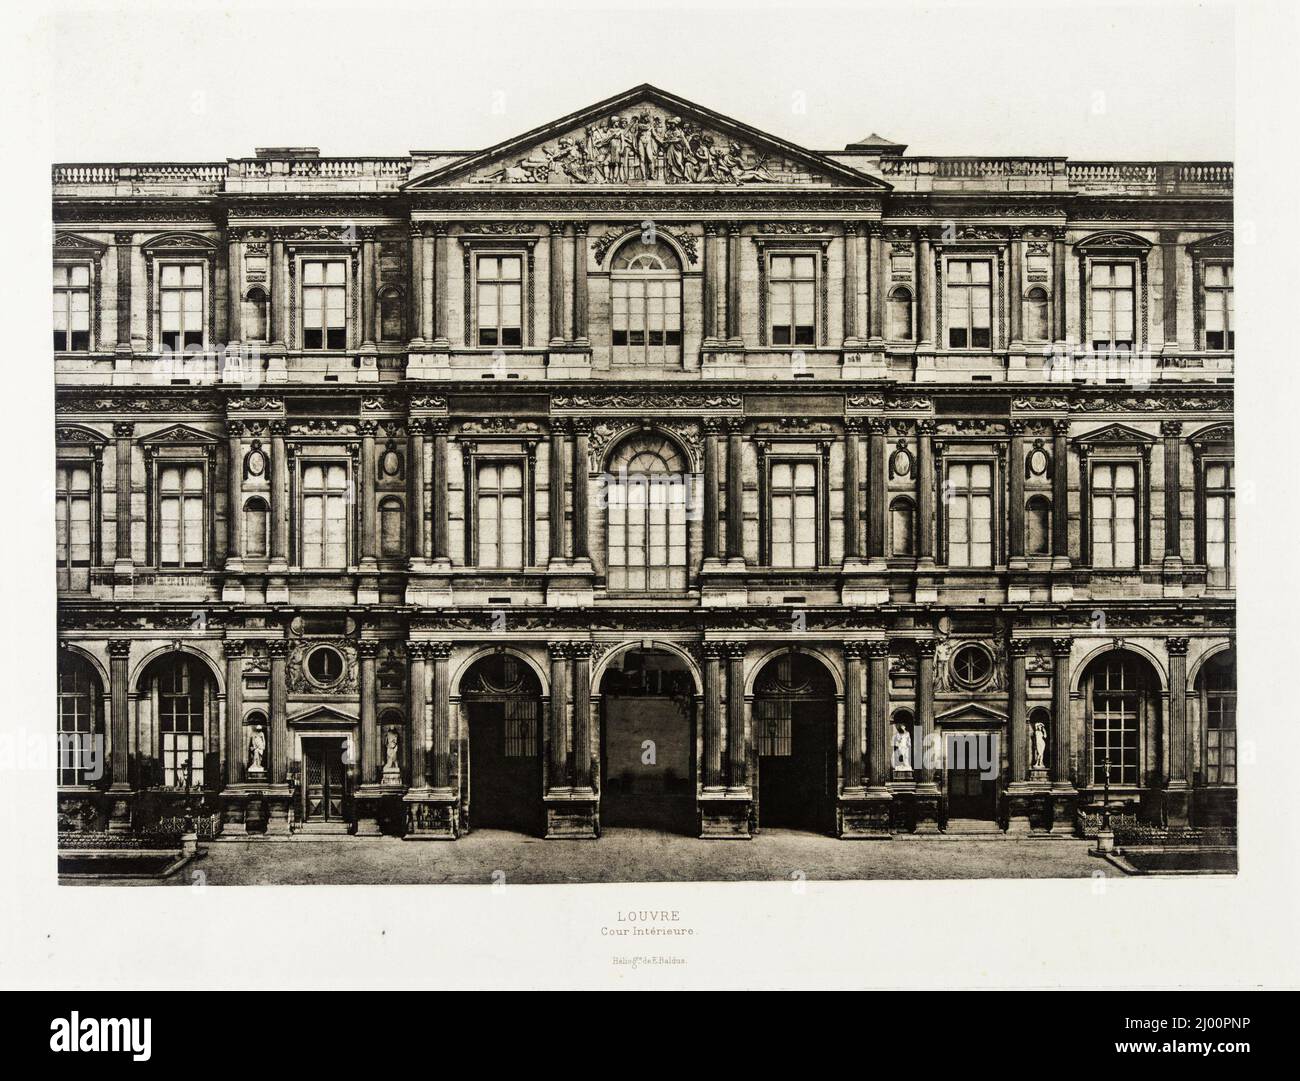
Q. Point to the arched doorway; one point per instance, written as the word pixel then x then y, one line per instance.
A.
pixel 180 710
pixel 1121 692
pixel 502 699
pixel 794 735
pixel 647 736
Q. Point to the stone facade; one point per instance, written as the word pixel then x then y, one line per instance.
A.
pixel 646 469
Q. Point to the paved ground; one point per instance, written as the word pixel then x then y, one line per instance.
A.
pixel 631 855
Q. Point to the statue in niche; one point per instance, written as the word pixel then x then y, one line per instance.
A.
pixel 257 750
pixel 391 745
pixel 902 749
pixel 1039 751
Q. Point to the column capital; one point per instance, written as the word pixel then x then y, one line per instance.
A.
pixel 925 647
pixel 736 650
pixel 713 426
pixel 1171 427
pixel 558 651
pixel 580 651
pixel 123 240
pixel 926 427
pixel 1061 426
pixel 1176 647
pixel 877 425
pixel 119 647
pixel 367 648
pixel 1018 647
pixel 579 228
pixel 878 650
pixel 852 228
pixel 235 427
pixel 277 647
pixel 853 650
pixel 1017 427
pixel 437 651
pixel 555 228
pixel 1061 646
pixel 124 430
pixel 233 647
pixel 852 425
pixel 279 427
pixel 367 428
pixel 713 650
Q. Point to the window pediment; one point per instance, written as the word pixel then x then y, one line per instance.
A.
pixel 1116 435
pixel 179 435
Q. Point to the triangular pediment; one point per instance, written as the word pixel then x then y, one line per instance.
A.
pixel 322 715
pixel 970 713
pixel 1116 433
pixel 178 433
pixel 647 138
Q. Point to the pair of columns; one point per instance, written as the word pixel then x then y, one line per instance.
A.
pixel 569 765
pixel 721 278
pixel 1059 738
pixel 570 456
pixel 429 692
pixel 714 432
pixel 578 333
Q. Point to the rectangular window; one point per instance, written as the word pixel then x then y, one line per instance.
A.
pixel 1221 737
pixel 180 305
pixel 1218 306
pixel 499 524
pixel 793 508
pixel 1220 535
pixel 500 292
pixel 180 708
pixel 793 299
pixel 646 319
pixel 324 304
pixel 71 308
pixel 968 303
pixel 180 515
pixel 77 706
pixel 521 728
pixel 1115 702
pixel 1114 514
pixel 968 497
pixel 325 514
pixel 72 525
pixel 1112 306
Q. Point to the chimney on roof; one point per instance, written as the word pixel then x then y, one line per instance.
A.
pixel 875 144
pixel 287 152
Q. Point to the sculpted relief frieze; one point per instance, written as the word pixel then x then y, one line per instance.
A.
pixel 645 144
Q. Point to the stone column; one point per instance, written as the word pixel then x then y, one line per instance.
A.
pixel 234 496
pixel 275 273
pixel 558 762
pixel 1060 490
pixel 709 280
pixel 876 293
pixel 236 748
pixel 1017 744
pixel 925 491
pixel 440 773
pixel 713 714
pixel 737 757
pixel 441 547
pixel 122 516
pixel 1172 431
pixel 878 708
pixel 366 492
pixel 368 744
pixel 853 715
pixel 234 288
pixel 1014 287
pixel 415 492
pixel 925 707
pixel 1169 290
pixel 580 336
pixel 418 688
pixel 852 509
pixel 1058 285
pixel 733 281
pixel 924 305
pixel 581 541
pixel 555 490
pixel 369 289
pixel 278 651
pixel 735 491
pixel 555 293
pixel 581 654
pixel 279 495
pixel 441 337
pixel 850 280
pixel 712 427
pixel 1179 770
pixel 1016 510
pixel 122 249
pixel 1061 737
pixel 119 738
pixel 417 281
pixel 877 487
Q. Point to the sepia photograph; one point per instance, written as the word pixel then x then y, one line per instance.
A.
pixel 658 446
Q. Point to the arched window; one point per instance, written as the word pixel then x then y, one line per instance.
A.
pixel 80 720
pixel 646 505
pixel 257 518
pixel 646 298
pixel 390 315
pixel 1120 693
pixel 1038 526
pixel 254 319
pixel 1217 684
pixel 902 527
pixel 391 519
pixel 1036 315
pixel 180 686
pixel 898 312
